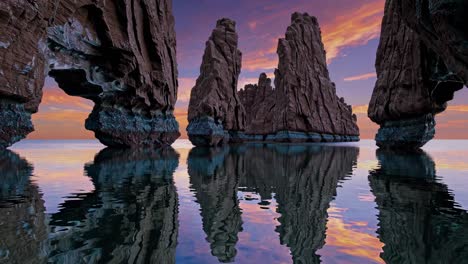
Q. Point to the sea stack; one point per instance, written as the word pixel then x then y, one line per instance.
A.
pixel 121 58
pixel 215 113
pixel 304 106
pixel 413 85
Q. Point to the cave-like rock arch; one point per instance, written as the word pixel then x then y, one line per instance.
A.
pixel 119 54
pixel 422 60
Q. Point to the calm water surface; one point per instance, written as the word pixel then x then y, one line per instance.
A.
pixel 76 202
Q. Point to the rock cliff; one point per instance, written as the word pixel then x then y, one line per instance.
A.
pixel 119 54
pixel 215 110
pixel 416 74
pixel 304 106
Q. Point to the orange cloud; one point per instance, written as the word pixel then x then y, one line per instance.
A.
pixel 360 109
pixel 350 240
pixel 185 88
pixel 353 28
pixel 458 108
pixel 181 116
pixel 61 116
pixel 361 77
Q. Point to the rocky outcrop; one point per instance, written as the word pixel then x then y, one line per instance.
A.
pixel 442 26
pixel 419 219
pixel 304 106
pixel 252 97
pixel 119 54
pixel 415 78
pixel 215 113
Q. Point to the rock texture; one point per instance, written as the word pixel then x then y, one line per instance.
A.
pixel 215 110
pixel 415 77
pixel 119 54
pixel 419 219
pixel 304 106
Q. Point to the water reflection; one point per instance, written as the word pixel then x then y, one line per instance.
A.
pixel 214 176
pixel 22 220
pixel 130 218
pixel 419 219
pixel 302 179
pixel 254 203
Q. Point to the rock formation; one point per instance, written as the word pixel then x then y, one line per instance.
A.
pixel 419 219
pixel 215 113
pixel 304 106
pixel 252 97
pixel 417 73
pixel 119 54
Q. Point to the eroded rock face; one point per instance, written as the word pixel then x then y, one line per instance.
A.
pixel 215 110
pixel 415 80
pixel 304 106
pixel 119 54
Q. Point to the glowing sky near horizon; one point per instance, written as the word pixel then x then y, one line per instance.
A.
pixel 350 32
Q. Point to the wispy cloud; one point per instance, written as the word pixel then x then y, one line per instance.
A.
pixel 352 28
pixel 360 77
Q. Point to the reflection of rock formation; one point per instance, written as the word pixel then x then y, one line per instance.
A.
pixel 215 109
pixel 130 218
pixel 22 220
pixel 120 54
pixel 419 220
pixel 414 81
pixel 214 178
pixel 303 178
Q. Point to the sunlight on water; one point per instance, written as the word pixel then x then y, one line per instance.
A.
pixel 74 202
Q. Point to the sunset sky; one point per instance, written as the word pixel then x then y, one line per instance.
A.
pixel 350 31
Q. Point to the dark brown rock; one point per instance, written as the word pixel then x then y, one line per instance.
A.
pixel 258 100
pixel 120 54
pixel 215 109
pixel 413 84
pixel 304 105
pixel 442 26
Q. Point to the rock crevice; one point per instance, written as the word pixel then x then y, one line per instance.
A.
pixel 119 54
